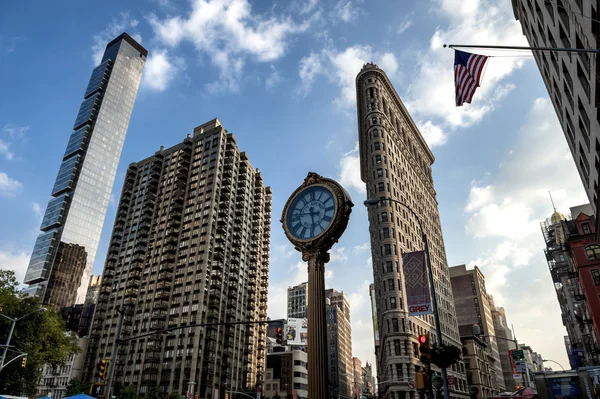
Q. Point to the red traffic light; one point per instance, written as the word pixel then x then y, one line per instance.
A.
pixel 422 339
pixel 278 330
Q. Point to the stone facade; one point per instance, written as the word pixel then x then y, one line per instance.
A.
pixel 190 245
pixel 339 344
pixel 395 162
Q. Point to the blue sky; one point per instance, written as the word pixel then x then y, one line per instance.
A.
pixel 280 76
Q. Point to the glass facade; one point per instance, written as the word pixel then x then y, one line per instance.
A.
pixel 75 215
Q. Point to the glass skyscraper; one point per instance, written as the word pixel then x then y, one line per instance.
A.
pixel 64 252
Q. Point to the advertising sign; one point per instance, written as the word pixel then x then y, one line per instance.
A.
pixel 296 332
pixel 416 284
pixel 374 314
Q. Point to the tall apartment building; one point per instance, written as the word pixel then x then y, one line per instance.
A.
pixel 339 344
pixel 571 78
pixel 504 335
pixel 559 235
pixel 395 162
pixel 64 253
pixel 357 383
pixel 297 301
pixel 190 244
pixel 474 306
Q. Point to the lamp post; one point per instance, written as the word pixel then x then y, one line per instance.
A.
pixel 549 360
pixel 436 316
pixel 12 329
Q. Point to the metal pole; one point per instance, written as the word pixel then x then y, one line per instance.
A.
pixel 436 316
pixel 113 355
pixel 12 328
pixel 568 50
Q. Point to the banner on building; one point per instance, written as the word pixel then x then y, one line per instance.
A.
pixel 296 332
pixel 418 295
pixel 374 314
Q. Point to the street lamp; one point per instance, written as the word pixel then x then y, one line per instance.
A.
pixel 549 360
pixel 12 328
pixel 436 316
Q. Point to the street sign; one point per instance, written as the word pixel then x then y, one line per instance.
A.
pixel 411 384
pixel 518 354
pixel 517 375
pixel 450 380
pixel 521 366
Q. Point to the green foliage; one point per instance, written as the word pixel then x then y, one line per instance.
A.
pixel 39 334
pixel 445 355
pixel 155 392
pixel 173 395
pixel 130 392
pixel 76 387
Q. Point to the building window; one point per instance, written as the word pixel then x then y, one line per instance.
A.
pixel 395 325
pixel 388 266
pixel 387 249
pixel 379 172
pixel 384 216
pixel 391 284
pixel 381 187
pixel 393 303
pixel 386 232
pixel 592 252
pixel 376 146
pixel 596 276
pixel 377 159
pixel 586 228
pixel 397 347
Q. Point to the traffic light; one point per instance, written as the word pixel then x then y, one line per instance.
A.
pixel 24 362
pixel 102 372
pixel 279 335
pixel 425 349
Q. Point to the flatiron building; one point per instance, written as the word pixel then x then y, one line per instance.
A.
pixel 190 245
pixel 64 252
pixel 395 162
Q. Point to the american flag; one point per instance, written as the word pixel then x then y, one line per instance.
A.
pixel 467 73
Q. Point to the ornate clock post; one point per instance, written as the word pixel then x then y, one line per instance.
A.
pixel 314 218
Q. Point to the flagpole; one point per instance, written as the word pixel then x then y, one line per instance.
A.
pixel 568 50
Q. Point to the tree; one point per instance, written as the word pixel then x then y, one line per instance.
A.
pixel 445 355
pixel 76 387
pixel 130 392
pixel 42 335
pixel 173 395
pixel 155 392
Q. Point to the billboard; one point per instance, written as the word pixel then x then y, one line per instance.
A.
pixel 374 314
pixel 296 332
pixel 416 284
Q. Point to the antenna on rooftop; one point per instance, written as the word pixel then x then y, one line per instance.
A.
pixel 551 200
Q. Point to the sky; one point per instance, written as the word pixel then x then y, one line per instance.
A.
pixel 280 76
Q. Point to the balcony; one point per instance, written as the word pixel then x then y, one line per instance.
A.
pixel 165 276
pixel 159 315
pixel 132 292
pixel 158 325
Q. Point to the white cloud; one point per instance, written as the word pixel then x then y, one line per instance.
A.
pixel 407 23
pixel 273 79
pixel 37 210
pixel 341 67
pixel 433 135
pixel 229 33
pixel 8 186
pixel 345 11
pixel 114 28
pixel 160 69
pixel 308 6
pixel 12 134
pixel 503 215
pixel 350 171
pixel 431 93
pixel 15 260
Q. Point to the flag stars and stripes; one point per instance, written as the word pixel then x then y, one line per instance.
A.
pixel 468 69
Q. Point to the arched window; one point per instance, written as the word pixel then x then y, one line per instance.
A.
pixel 592 252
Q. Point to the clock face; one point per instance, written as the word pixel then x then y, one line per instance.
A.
pixel 311 212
